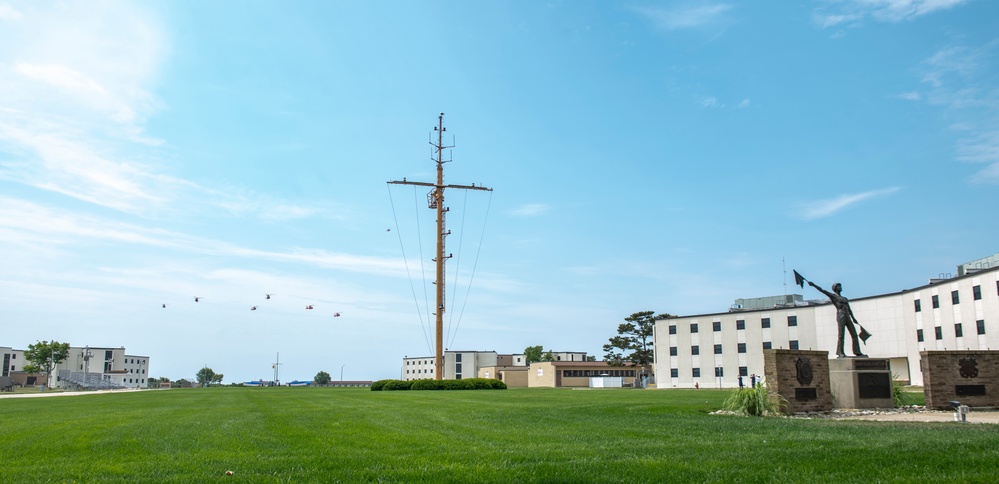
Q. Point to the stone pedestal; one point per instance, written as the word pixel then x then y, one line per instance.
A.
pixel 801 377
pixel 970 377
pixel 861 383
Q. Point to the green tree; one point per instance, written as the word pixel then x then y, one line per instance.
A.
pixel 43 357
pixel 206 377
pixel 591 358
pixel 533 353
pixel 322 378
pixel 633 342
pixel 548 356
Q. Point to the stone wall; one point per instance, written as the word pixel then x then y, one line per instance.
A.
pixel 970 377
pixel 800 377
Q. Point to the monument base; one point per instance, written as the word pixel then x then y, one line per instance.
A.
pixel 969 377
pixel 861 383
pixel 801 377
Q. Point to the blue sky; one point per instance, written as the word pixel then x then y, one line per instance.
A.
pixel 665 156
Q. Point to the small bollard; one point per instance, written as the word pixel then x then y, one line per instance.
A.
pixel 963 410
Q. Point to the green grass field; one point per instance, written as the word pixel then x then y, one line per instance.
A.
pixel 517 435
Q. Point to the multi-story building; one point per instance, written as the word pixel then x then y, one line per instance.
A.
pixel 87 367
pixel 949 313
pixel 457 365
pixel 472 364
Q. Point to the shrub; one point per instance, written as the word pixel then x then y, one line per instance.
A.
pixel 397 385
pixel 378 385
pixel 427 385
pixel 754 401
pixel 898 395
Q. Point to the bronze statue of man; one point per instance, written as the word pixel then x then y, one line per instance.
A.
pixel 844 318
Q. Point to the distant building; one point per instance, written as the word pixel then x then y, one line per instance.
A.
pixel 509 368
pixel 713 350
pixel 557 374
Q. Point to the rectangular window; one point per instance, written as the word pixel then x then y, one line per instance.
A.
pixel 716 326
pixel 672 329
pixel 718 349
pixel 765 323
pixel 457 367
pixel 981 326
pixel 958 330
pixel 674 373
pixel 938 332
pixel 936 302
pixel 793 344
pixel 919 335
pixel 792 320
pixel 672 350
pixel 976 292
pixel 743 371
pixel 695 350
pixel 742 347
pixel 740 324
pixel 919 305
pixel 954 298
pixel 693 327
pixel 767 345
pixel 697 372
pixel 719 372
pixel 457 357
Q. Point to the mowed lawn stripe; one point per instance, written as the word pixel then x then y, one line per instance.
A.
pixel 519 435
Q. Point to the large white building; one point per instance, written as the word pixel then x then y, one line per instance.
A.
pixel 87 367
pixel 949 313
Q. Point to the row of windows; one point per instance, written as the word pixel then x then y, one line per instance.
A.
pixel 740 324
pixel 135 361
pixel 588 373
pixel 422 362
pixel 955 297
pixel 741 348
pixel 131 370
pixel 958 331
pixel 421 371
pixel 696 372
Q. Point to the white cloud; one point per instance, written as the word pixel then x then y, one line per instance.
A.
pixel 909 96
pixel 9 13
pixel 989 175
pixel 530 210
pixel 686 16
pixel 25 221
pixel 743 104
pixel 711 102
pixel 824 208
pixel 839 12
pixel 960 80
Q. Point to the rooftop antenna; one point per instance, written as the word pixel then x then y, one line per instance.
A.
pixel 277 369
pixel 435 201
pixel 784 268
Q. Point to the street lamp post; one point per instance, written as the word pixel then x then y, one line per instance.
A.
pixel 341 373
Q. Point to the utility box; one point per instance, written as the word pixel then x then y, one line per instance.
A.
pixel 606 382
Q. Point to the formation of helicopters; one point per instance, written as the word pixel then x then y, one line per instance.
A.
pixel 254 308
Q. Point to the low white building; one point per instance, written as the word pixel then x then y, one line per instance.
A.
pixel 713 350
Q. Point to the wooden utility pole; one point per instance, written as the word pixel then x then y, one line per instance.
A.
pixel 435 199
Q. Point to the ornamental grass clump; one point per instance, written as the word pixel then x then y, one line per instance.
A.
pixel 898 394
pixel 754 401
